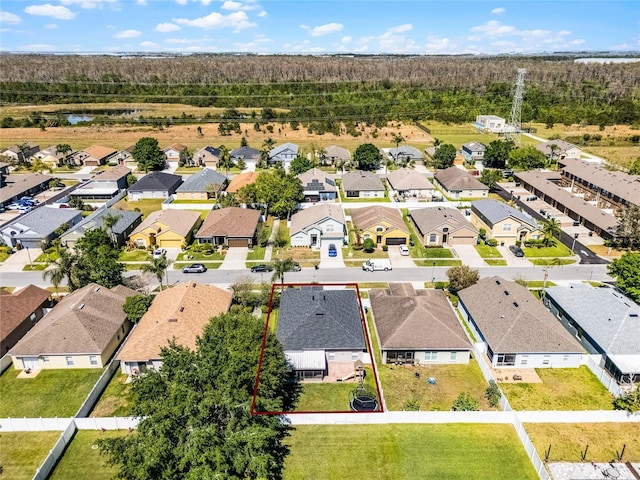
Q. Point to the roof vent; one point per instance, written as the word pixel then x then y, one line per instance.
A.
pixel 182 309
pixel 193 284
pixel 81 306
pixel 97 289
pixel 172 320
pixel 497 282
pixel 515 304
pixel 506 292
pixel 635 315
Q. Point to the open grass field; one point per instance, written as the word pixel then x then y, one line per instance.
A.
pixel 53 393
pixel 83 460
pixel 116 398
pixel 21 453
pixel 567 440
pixel 146 205
pixel 561 389
pixel 390 452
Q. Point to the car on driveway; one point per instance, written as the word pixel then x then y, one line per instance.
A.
pixel 404 250
pixel 159 252
pixel 194 268
pixel 261 268
pixel 517 251
pixel 333 252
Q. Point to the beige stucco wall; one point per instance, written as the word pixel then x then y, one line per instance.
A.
pixel 443 357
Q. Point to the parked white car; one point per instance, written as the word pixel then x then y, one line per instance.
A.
pixel 159 252
pixel 404 250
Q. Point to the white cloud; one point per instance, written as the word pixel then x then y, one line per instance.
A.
pixel 326 29
pixel 48 10
pixel 128 34
pixel 9 18
pixel 262 14
pixel 181 2
pixel 255 45
pixel 88 4
pixel 141 2
pixel 437 44
pixel 494 28
pixel 400 28
pixel 166 27
pixel 148 44
pixel 236 20
pixel 38 47
pixel 51 26
pixel 346 39
pixel 498 10
pixel 184 41
pixel 237 6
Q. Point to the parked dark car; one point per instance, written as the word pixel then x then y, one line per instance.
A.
pixel 194 268
pixel 261 268
pixel 517 251
pixel 296 267
pixel 333 252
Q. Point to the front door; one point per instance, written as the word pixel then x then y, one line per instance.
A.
pixel 444 238
pixel 314 240
pixel 379 239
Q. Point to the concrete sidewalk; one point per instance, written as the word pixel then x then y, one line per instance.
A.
pixel 269 250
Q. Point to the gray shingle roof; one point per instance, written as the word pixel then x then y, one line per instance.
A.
pixel 512 320
pixel 405 151
pixel 361 181
pixel 317 180
pixel 156 181
pixel 316 319
pixel 45 220
pixel 338 153
pixel 428 219
pixel 474 147
pixel 563 146
pixel 199 181
pixel 495 211
pixel 313 215
pixel 454 178
pixel 245 153
pixel 96 220
pixel 278 150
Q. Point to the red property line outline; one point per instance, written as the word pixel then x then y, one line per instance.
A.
pixel 363 322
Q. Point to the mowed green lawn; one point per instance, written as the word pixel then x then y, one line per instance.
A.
pixel 331 397
pixel 53 393
pixel 561 389
pixel 21 453
pixel 116 398
pixel 380 452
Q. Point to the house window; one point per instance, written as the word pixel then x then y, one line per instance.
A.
pixel 332 355
pixel 524 361
pixel 93 360
pixel 565 358
pixel 433 238
pixel 45 359
pixel 379 229
pixel 69 361
pixel 453 356
pixel 431 356
pixel 506 227
pixel 506 360
pixel 545 360
pixel 32 317
pixel 354 356
pixel 330 228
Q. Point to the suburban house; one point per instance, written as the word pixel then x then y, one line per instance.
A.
pixel 21 155
pixel 456 183
pixel 206 156
pixel 50 156
pixel 443 226
pixel 283 154
pixel 384 225
pixel 166 228
pixel 230 226
pixel 245 153
pixel 417 326
pixel 321 331
pixel 473 151
pixel 14 187
pixel 154 185
pixel 96 155
pixel 178 314
pixel 317 186
pixel 125 155
pixel 560 151
pixel 362 184
pixel 105 185
pixel 39 226
pixel 82 331
pixel 403 154
pixel 127 221
pixel 490 124
pixel 201 185
pixel 503 223
pixel 241 180
pixel 410 184
pixel 318 225
pixel 515 327
pixel 605 322
pixel 333 154
pixel 20 309
pixel 174 152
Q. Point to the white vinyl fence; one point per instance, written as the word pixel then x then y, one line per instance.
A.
pixel 602 375
pixel 56 452
pixel 98 388
pixel 5 362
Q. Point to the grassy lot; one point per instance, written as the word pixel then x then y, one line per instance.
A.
pixel 306 257
pixel 568 440
pixel 137 255
pixel 146 205
pixel 436 253
pixel 486 251
pixel 495 262
pixel 199 256
pixel 21 453
pixel 83 460
pixel 561 389
pixel 115 399
pixel 330 397
pixel 50 255
pixel 53 393
pixel 551 262
pixel 389 452
pixel 557 250
pixel 3 256
pixel 458 134
pixel 438 263
pixel 35 267
pixel 256 253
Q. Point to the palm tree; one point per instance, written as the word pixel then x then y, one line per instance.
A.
pixel 550 228
pixel 267 146
pixel 224 160
pixel 280 267
pixel 397 139
pixel 553 148
pixel 158 267
pixel 109 222
pixel 64 149
pixel 62 267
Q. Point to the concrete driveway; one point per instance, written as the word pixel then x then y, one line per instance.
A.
pixel 469 256
pixel 398 260
pixel 235 259
pixel 512 260
pixel 331 262
pixel 17 261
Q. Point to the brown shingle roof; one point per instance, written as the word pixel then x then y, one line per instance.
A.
pixel 368 217
pixel 405 318
pixel 405 179
pixel 428 219
pixel 18 305
pixel 230 222
pixel 99 152
pixel 241 180
pixel 454 178
pixel 178 221
pixel 361 181
pixel 312 215
pixel 181 313
pixel 178 147
pixel 115 173
pixel 84 321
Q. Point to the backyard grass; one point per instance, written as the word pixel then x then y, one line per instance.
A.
pixel 83 460
pixel 389 452
pixel 53 393
pixel 115 399
pixel 561 389
pixel 145 206
pixel 486 251
pixel 21 453
pixel 137 255
pixel 551 262
pixel 567 440
pixel 557 250
pixel 330 397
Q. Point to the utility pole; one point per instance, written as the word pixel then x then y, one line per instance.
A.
pixel 514 125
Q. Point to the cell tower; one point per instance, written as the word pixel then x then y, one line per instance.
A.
pixel 514 125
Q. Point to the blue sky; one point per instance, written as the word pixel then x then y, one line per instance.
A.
pixel 329 26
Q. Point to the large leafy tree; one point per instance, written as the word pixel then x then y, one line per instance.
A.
pixel 195 411
pixel 461 277
pixel 136 306
pixel 497 153
pixel 279 192
pixel 626 269
pixel 628 229
pixel 148 155
pixel 527 158
pixel 444 156
pixel 98 260
pixel 367 156
pixel 490 177
pixel 300 165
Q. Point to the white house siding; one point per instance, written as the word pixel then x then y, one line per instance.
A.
pixel 342 356
pixel 421 357
pixel 329 231
pixel 136 196
pixel 372 194
pixel 58 362
pixel 131 368
pixel 543 360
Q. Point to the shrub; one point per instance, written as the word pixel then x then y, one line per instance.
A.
pixel 465 402
pixel 411 405
pixel 492 393
pixel 385 248
pixel 492 242
pixel 368 245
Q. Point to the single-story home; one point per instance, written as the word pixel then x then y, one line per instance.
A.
pixel 457 183
pixel 201 185
pixel 231 226
pixel 283 154
pixel 245 153
pixel 410 184
pixel 166 228
pixel 490 124
pixel 154 185
pixel 105 185
pixel 82 331
pixel 417 326
pixel 21 310
pixel 127 221
pixel 178 313
pixel 39 226
pixel 320 329
pixel 384 225
pixel 318 186
pixel 18 154
pixel 97 155
pixel 502 222
pixel 473 151
pixel 206 156
pixel 14 187
pixel 50 156
pixel 560 151
pixel 443 226
pixel 333 154
pixel 362 184
pixel 605 322
pixel 174 152
pixel 241 180
pixel 318 225
pixel 515 327
pixel 403 153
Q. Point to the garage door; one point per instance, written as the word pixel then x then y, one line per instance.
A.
pixel 238 242
pixel 463 241
pixel 396 241
pixel 170 243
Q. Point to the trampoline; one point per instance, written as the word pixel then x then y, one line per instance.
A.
pixel 363 400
